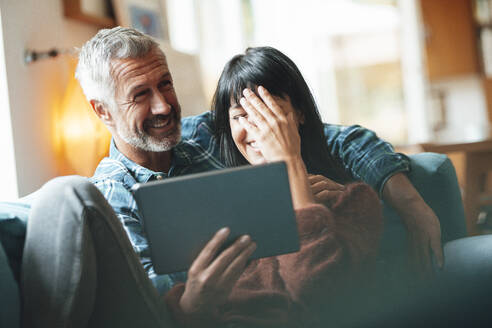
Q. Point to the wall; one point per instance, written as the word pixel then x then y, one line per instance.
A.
pixel 7 163
pixel 35 90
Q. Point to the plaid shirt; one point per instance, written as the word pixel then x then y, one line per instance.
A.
pixel 363 154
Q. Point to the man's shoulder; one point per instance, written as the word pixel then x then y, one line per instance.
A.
pixel 199 141
pixel 196 126
pixel 111 172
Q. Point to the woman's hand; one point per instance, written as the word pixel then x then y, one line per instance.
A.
pixel 276 134
pixel 325 191
pixel 274 131
pixel 211 278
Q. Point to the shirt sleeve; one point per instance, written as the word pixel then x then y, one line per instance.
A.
pixel 190 124
pixel 364 155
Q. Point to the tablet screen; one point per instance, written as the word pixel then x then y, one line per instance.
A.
pixel 182 214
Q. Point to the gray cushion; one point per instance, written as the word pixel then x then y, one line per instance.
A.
pixel 9 295
pixel 13 220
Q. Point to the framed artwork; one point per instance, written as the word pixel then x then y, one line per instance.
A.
pixel 147 16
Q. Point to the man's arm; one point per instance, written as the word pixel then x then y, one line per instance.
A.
pixel 364 155
pixel 424 230
pixel 374 161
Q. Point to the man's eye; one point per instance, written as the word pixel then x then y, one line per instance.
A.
pixel 141 95
pixel 167 84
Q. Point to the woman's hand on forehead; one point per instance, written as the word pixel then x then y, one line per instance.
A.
pixel 274 130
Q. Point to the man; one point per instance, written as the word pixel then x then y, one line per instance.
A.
pixel 126 79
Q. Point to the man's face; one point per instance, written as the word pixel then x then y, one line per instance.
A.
pixel 147 114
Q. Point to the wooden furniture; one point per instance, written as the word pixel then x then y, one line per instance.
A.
pixel 450 39
pixel 453 42
pixel 73 9
pixel 477 163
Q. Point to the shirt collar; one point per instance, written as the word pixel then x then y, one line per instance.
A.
pixel 181 156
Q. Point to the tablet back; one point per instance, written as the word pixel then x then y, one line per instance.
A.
pixel 182 214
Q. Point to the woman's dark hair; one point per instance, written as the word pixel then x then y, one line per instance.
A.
pixel 268 67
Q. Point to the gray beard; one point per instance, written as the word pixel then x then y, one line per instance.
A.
pixel 148 143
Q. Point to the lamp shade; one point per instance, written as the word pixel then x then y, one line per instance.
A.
pixel 81 139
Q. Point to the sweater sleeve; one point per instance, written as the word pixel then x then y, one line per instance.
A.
pixel 335 243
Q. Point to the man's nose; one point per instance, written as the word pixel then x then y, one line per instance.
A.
pixel 160 105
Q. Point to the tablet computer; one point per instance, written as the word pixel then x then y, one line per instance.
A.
pixel 180 215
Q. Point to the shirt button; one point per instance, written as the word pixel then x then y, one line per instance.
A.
pixel 159 177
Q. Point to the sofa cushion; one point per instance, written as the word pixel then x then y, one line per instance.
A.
pixel 9 295
pixel 13 220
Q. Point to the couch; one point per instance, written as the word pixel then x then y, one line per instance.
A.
pixel 433 175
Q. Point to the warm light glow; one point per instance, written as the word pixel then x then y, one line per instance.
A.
pixel 80 139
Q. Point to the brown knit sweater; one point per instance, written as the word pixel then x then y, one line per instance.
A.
pixel 284 291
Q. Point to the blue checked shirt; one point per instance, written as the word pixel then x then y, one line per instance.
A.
pixel 363 155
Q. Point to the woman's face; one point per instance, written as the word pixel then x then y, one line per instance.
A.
pixel 245 142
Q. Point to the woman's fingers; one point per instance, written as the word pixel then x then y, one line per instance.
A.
pixel 259 106
pixel 210 251
pixel 253 114
pixel 319 182
pixel 270 102
pixel 267 114
pixel 328 197
pixel 249 127
pixel 270 111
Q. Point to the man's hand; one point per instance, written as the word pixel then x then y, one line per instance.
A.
pixel 424 229
pixel 424 236
pixel 325 191
pixel 211 278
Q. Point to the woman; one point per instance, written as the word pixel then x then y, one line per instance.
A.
pixel 274 71
pixel 264 112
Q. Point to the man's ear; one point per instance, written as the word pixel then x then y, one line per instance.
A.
pixel 102 111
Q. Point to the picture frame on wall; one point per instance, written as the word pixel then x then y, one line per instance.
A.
pixel 146 16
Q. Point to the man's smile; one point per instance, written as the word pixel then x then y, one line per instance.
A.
pixel 161 123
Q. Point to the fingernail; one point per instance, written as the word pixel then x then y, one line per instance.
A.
pixel 223 231
pixel 247 91
pixel 242 100
pixel 245 239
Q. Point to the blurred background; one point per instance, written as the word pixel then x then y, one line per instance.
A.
pixel 415 71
